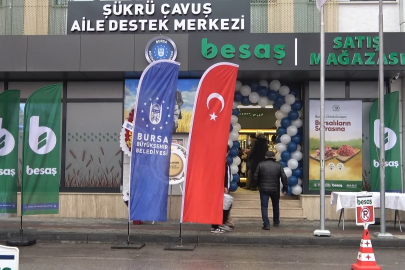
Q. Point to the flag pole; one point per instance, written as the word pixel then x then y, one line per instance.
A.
pixel 383 233
pixel 322 231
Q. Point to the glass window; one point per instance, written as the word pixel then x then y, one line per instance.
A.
pixel 93 152
pixel 11 17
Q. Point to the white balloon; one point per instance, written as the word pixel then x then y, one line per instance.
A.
pixel 245 90
pixel 234 136
pixel 238 86
pixel 234 119
pixel 236 161
pixel 285 139
pixel 284 90
pixel 287 172
pixel 296 155
pixel 264 83
pixel 292 164
pixel 271 102
pixel 263 102
pixel 289 99
pixel 278 123
pixel 235 105
pixel 281 147
pixel 237 127
pixel 280 115
pixel 299 148
pixel 296 190
pixel 292 130
pixel 234 169
pixel 278 157
pixel 275 85
pixel 285 108
pixel 300 181
pixel 230 143
pixel 254 97
pixel 297 123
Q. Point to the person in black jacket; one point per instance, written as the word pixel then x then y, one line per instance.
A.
pixel 256 155
pixel 267 177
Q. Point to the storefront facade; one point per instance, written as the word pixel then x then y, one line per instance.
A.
pixel 96 70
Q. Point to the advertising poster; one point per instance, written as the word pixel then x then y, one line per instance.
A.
pixel 343 145
pixel 185 97
pixel 392 146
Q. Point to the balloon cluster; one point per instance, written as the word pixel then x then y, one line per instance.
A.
pixel 233 159
pixel 289 123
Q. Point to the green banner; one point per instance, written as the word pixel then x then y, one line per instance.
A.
pixel 41 152
pixel 9 115
pixel 393 180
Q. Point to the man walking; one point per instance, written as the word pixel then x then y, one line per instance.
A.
pixel 267 177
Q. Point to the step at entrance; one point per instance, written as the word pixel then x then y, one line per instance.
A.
pixel 246 206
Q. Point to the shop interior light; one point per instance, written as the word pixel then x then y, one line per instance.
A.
pixel 254 107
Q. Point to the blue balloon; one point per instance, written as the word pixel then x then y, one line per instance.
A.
pixel 299 131
pixel 254 86
pixel 280 100
pixel 263 90
pixel 236 144
pixel 292 146
pixel 234 187
pixel 235 112
pixel 234 152
pixel 297 105
pixel 292 181
pixel 293 115
pixel 286 155
pixel 281 131
pixel 278 139
pixel 283 163
pixel 276 107
pixel 297 139
pixel 300 164
pixel 272 95
pixel 245 101
pixel 297 172
pixel 238 97
pixel 285 122
pixel 229 160
pixel 293 92
pixel 230 129
pixel 236 178
pixel 289 192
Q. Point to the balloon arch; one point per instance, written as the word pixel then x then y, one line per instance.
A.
pixel 289 123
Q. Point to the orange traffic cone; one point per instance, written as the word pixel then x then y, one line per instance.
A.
pixel 366 258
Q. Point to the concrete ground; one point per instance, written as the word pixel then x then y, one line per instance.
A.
pixel 51 256
pixel 295 233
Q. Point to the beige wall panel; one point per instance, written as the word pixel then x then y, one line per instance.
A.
pixel 36 17
pixel 281 16
pixel 332 16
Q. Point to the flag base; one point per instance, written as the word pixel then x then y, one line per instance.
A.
pixel 385 236
pixel 322 233
pixel 21 241
pixel 180 247
pixel 128 245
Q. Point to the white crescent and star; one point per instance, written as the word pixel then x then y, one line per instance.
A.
pixel 220 98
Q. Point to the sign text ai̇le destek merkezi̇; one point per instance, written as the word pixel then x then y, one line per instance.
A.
pixel 168 16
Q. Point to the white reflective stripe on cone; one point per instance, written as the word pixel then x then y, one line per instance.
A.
pixel 365 243
pixel 366 257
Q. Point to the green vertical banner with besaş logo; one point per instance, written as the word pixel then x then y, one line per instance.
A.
pixel 41 152
pixel 393 181
pixel 9 117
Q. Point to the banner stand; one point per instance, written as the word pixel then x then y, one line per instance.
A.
pixel 128 244
pixel 21 240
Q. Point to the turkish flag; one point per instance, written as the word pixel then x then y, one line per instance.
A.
pixel 205 174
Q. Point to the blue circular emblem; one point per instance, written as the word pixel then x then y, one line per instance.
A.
pixel 160 48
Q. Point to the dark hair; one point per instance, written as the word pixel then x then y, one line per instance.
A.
pixel 253 136
pixel 228 148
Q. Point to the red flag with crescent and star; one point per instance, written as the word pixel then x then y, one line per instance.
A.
pixel 207 148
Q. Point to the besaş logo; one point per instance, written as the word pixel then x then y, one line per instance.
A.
pixel 7 141
pixel 42 140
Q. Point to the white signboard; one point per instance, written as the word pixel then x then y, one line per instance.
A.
pixel 9 257
pixel 364 209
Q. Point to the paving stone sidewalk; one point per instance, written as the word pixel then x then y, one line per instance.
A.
pixel 246 232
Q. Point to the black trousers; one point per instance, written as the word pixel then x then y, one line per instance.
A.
pixel 224 218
